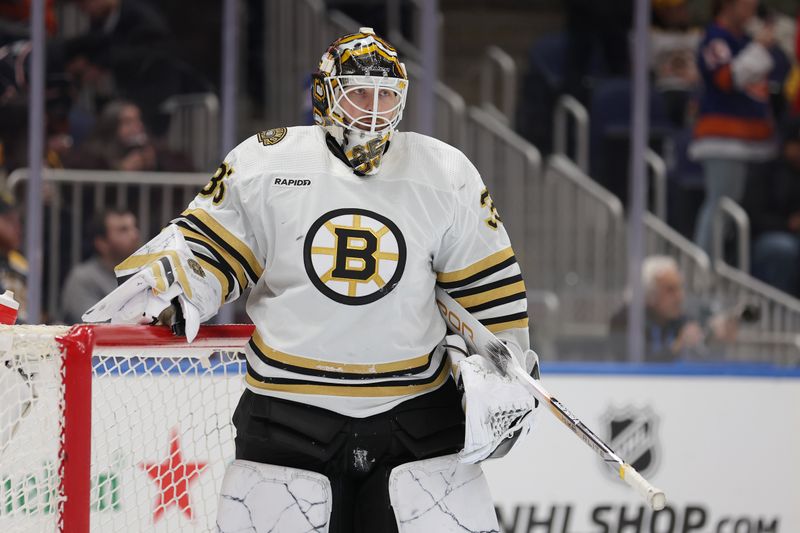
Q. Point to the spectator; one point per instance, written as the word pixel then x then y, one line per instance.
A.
pixel 13 266
pixel 669 333
pixel 673 44
pixel 734 128
pixel 121 142
pixel 115 237
pixel 104 71
pixel 774 208
pixel 14 78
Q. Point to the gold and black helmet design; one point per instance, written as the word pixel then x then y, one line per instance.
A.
pixel 358 96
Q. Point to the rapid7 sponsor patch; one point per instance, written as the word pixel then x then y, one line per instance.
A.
pixel 291 182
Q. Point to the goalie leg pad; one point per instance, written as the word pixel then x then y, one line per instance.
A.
pixel 259 498
pixel 441 494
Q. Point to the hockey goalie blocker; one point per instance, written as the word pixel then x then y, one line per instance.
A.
pixel 162 282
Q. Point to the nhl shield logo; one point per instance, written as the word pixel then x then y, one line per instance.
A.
pixel 633 434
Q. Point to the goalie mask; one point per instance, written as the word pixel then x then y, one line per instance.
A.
pixel 358 97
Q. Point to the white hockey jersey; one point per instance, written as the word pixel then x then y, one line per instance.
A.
pixel 343 267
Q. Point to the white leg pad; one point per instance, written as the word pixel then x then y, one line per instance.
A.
pixel 258 498
pixel 441 494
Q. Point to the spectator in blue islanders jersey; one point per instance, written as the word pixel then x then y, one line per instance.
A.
pixel 734 127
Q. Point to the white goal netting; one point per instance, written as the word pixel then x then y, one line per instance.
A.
pixel 161 432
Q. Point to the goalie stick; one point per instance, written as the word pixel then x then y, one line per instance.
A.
pixel 483 342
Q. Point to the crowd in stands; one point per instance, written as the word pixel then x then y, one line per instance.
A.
pixel 105 87
pixel 724 113
pixel 106 80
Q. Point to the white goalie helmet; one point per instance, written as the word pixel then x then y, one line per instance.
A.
pixel 358 97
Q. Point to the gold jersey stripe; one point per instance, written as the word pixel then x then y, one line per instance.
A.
pixel 502 326
pixel 331 366
pixel 139 261
pixel 231 261
pixel 352 391
pixel 161 282
pixel 228 237
pixel 217 273
pixel 483 264
pixel 492 294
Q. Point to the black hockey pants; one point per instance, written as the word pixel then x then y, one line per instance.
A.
pixel 356 454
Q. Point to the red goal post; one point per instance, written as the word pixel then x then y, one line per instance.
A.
pixel 110 427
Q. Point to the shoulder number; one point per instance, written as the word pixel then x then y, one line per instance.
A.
pixel 216 187
pixel 494 217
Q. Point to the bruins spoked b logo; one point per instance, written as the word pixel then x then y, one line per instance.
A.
pixel 354 256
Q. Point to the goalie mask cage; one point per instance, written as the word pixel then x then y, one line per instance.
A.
pixel 116 428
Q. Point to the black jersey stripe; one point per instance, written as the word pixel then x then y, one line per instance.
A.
pixel 497 302
pixel 477 266
pixel 485 287
pixel 227 246
pixel 223 262
pixel 314 366
pixel 504 318
pixel 222 232
pixel 225 280
pixel 267 360
pixel 478 275
pixel 193 234
pixel 364 389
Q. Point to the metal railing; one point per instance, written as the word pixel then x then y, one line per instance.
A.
pixel 75 195
pixel 294 52
pixel 409 45
pixel 581 248
pixel 451 111
pixel 512 171
pixel 296 38
pixel 775 336
pixel 658 175
pixel 544 308
pixel 498 84
pixel 567 107
pixel 194 128
pixel 694 264
pixel 727 208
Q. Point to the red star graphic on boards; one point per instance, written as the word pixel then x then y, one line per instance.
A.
pixel 173 478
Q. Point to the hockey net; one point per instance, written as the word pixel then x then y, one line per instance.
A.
pixel 115 428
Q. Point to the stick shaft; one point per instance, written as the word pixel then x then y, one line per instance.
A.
pixel 479 338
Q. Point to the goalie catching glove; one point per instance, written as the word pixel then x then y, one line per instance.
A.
pixel 499 410
pixel 164 281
